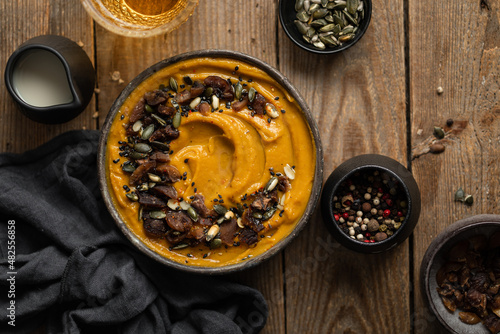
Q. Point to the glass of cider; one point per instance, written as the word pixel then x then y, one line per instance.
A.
pixel 139 18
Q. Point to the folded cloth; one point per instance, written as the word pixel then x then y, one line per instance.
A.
pixel 75 272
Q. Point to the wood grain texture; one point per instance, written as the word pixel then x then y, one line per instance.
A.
pixel 358 100
pixel 464 60
pixel 20 21
pixel 213 25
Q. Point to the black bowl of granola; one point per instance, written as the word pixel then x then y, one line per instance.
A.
pixel 205 162
pixel 370 203
pixel 460 276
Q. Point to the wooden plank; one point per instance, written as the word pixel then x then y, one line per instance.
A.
pixel 248 26
pixel 22 20
pixel 463 59
pixel 358 100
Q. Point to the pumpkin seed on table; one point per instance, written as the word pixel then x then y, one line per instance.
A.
pixel 339 18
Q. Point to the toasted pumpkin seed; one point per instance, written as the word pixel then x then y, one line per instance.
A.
pixel 289 172
pixel 208 92
pixel 327 28
pixel 192 214
pixel 154 177
pixel 137 156
pixel 215 102
pixel 147 132
pixel 307 4
pixel 352 6
pixel 173 204
pixel 271 184
pixel 139 213
pixel 329 40
pixel 215 243
pixel 176 121
pixel 238 89
pixel 299 4
pixel 271 110
pixel 160 120
pixel 257 215
pixel 149 109
pixel 320 13
pixel 142 148
pixel 160 145
pixel 180 246
pixel 239 221
pixel 184 205
pixel 314 7
pixel 310 32
pixel 195 102
pixel 350 18
pixel 220 209
pixel 460 195
pixel 212 232
pixel 142 187
pixel 132 196
pixel 316 24
pixel 302 16
pixel 268 214
pixel 173 84
pixel 346 38
pixel 157 214
pixel 128 167
pixel 320 45
pixel 137 126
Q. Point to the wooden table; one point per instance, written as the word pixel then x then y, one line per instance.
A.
pixel 380 96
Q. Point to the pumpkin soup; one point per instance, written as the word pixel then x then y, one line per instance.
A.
pixel 210 162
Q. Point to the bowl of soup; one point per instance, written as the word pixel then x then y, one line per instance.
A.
pixel 210 162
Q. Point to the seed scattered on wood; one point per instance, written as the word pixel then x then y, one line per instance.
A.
pixel 440 90
pixel 436 148
pixel 459 195
pixel 439 132
pixel 469 200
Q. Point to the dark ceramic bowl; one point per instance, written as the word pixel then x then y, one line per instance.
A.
pixel 434 259
pixel 288 14
pixel 79 73
pixel 367 163
pixel 282 80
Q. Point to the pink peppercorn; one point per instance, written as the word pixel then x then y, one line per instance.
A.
pixel 337 217
pixel 400 214
pixel 345 215
pixel 387 213
pixel 389 202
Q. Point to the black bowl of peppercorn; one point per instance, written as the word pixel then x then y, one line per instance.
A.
pixel 370 203
pixel 460 276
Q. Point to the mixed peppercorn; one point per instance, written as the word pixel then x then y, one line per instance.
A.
pixel 370 206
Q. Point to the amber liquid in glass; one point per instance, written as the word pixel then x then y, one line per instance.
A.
pixel 144 13
pixel 151 7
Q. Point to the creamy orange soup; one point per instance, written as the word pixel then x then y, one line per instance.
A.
pixel 225 155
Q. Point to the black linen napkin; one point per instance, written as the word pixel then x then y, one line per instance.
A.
pixel 76 272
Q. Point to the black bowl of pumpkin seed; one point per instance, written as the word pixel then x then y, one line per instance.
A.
pixel 325 26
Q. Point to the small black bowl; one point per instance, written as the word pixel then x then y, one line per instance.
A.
pixel 288 14
pixel 434 259
pixel 79 72
pixel 364 164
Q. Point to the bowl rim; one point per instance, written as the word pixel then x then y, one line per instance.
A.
pixel 284 3
pixel 377 162
pixel 435 248
pixel 283 81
